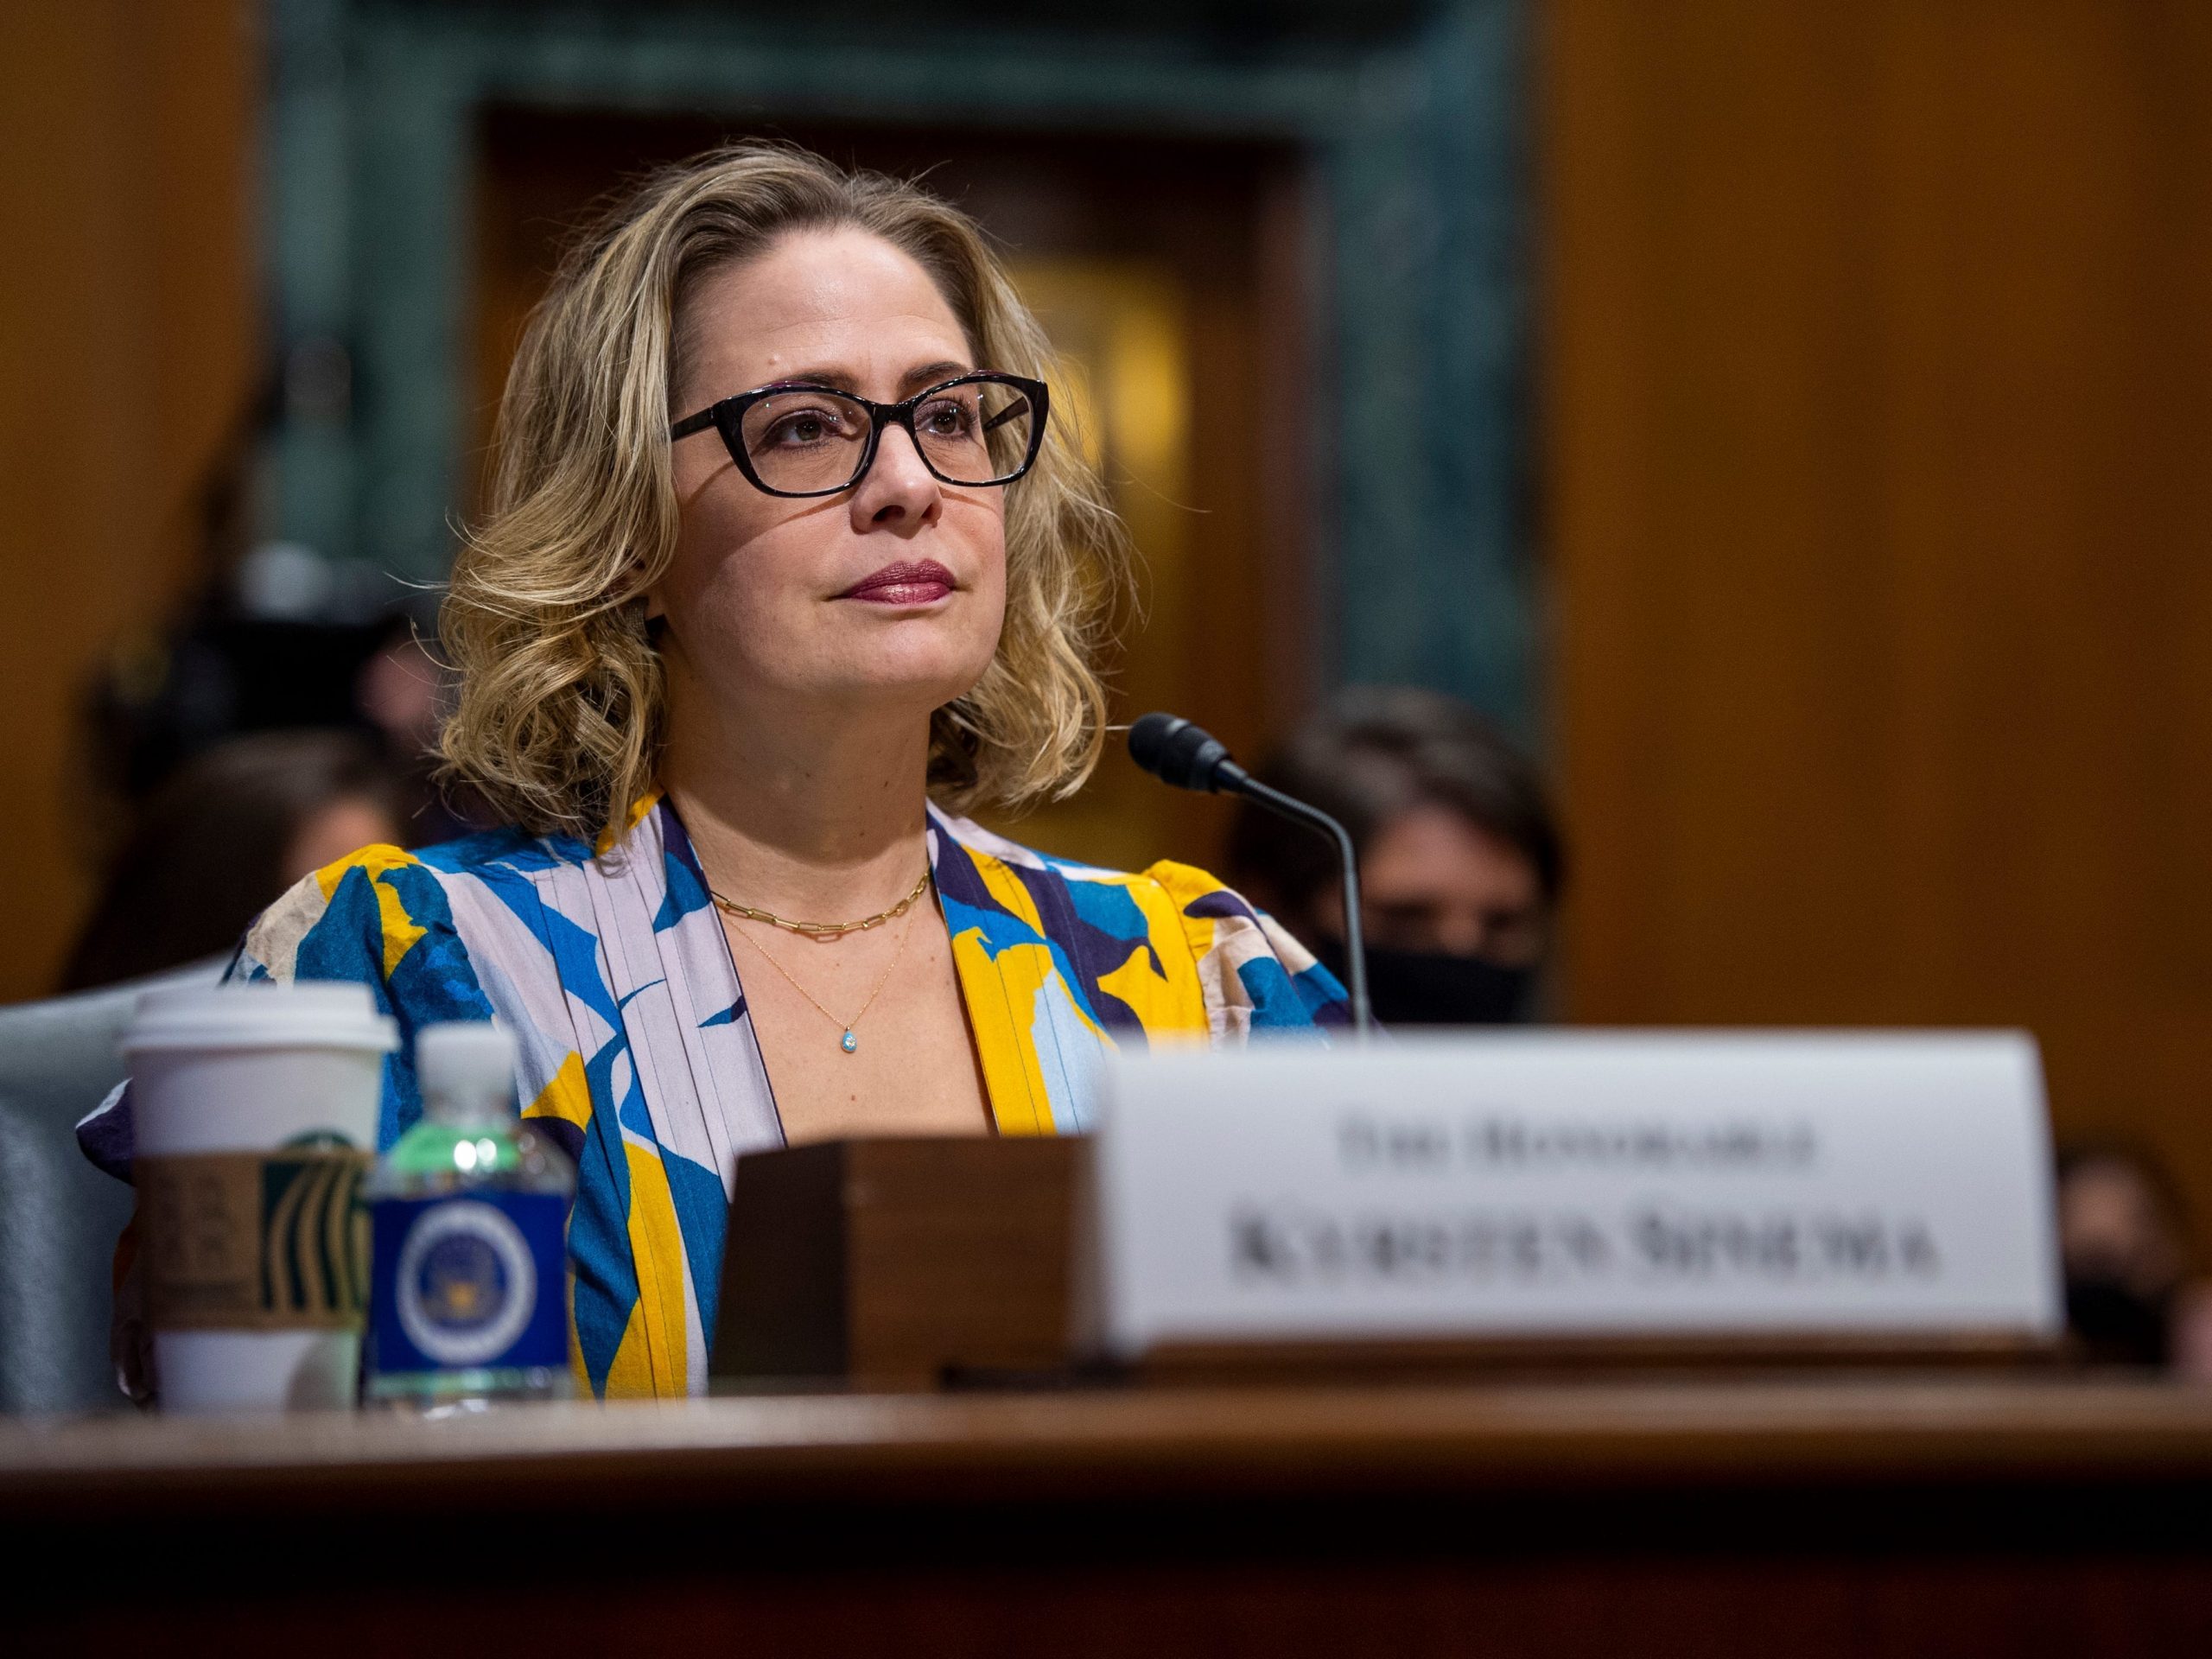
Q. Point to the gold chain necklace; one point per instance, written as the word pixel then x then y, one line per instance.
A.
pixel 848 1041
pixel 822 929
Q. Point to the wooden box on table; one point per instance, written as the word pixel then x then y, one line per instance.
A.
pixel 899 1264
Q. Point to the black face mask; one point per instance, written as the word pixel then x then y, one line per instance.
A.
pixel 2114 1324
pixel 1425 988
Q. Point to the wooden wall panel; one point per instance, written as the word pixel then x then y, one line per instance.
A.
pixel 1878 378
pixel 126 340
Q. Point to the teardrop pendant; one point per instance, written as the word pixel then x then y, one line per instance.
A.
pixel 849 1042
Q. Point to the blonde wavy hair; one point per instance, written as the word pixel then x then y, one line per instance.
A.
pixel 560 718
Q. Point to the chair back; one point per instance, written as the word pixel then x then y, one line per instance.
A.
pixel 59 1216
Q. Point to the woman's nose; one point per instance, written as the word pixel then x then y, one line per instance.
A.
pixel 898 493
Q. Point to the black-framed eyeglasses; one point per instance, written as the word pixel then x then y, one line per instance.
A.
pixel 800 438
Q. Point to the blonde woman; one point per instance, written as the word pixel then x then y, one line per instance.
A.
pixel 788 560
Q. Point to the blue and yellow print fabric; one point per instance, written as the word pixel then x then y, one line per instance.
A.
pixel 638 1056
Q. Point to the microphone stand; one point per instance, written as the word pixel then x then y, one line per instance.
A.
pixel 1185 756
pixel 1289 806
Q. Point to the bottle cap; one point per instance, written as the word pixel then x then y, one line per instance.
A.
pixel 466 1063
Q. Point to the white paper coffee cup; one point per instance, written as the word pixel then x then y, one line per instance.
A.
pixel 255 1109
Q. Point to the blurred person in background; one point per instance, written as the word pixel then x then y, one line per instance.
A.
pixel 1460 859
pixel 2121 1252
pixel 227 672
pixel 402 694
pixel 228 832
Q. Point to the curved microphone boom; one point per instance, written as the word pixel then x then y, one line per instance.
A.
pixel 1189 757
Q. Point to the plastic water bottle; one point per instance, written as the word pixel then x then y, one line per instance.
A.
pixel 468 1215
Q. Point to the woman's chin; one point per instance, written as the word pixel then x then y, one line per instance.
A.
pixel 912 686
pixel 917 663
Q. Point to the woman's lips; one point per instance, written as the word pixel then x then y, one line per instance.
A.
pixel 903 584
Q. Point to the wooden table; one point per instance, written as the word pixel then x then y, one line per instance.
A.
pixel 1797 1517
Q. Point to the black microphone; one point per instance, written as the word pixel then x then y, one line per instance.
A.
pixel 1190 756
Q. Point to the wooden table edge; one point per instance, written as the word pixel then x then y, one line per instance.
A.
pixel 1144 1442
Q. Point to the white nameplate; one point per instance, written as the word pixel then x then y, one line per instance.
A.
pixel 1594 1184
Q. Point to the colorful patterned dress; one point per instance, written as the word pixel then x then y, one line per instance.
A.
pixel 638 1055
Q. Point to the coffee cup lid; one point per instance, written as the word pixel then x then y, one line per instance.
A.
pixel 314 1014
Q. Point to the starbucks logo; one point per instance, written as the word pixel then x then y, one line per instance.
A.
pixel 466 1285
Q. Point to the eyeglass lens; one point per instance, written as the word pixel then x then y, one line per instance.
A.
pixel 805 440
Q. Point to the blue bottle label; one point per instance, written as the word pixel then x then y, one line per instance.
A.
pixel 467 1282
